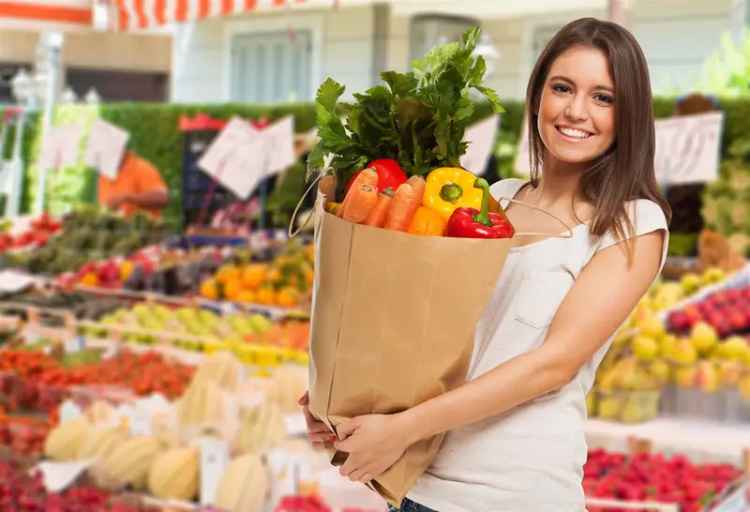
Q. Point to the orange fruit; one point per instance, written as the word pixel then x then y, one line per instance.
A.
pixel 210 289
pixel 253 275
pixel 287 297
pixel 246 297
pixel 265 296
pixel 89 279
pixel 232 289
pixel 227 273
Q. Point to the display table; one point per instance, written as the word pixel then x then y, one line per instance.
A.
pixel 701 441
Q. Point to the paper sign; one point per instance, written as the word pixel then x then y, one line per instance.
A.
pixel 75 344
pixel 295 424
pixel 242 155
pixel 214 460
pixel 60 146
pixel 735 502
pixel 106 147
pixel 687 148
pixel 69 411
pixel 57 476
pixel 481 137
pixel 279 145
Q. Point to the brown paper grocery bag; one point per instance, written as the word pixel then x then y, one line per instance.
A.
pixel 393 320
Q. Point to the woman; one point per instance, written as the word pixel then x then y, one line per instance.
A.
pixel 515 430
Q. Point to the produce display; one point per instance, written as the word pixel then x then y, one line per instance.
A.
pixel 153 269
pixel 654 477
pixel 196 328
pixel 42 376
pixel 165 461
pixel 89 235
pixel 725 205
pixel 81 305
pixel 286 281
pixel 20 491
pixel 645 358
pixel 39 232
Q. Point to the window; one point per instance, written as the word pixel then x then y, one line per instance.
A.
pixel 271 67
pixel 430 30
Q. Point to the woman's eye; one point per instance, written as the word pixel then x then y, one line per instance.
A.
pixel 604 98
pixel 560 88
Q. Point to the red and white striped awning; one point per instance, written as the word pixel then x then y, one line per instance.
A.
pixel 145 14
pixel 46 14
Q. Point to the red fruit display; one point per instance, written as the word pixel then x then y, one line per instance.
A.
pixel 22 492
pixel 654 477
pixel 34 380
pixel 727 311
pixel 39 232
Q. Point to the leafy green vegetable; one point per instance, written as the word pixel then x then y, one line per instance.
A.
pixel 418 118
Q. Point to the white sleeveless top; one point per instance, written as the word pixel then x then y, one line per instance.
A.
pixel 531 458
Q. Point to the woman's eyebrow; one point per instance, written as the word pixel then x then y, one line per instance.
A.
pixel 560 77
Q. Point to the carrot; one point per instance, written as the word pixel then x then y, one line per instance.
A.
pixel 378 214
pixel 419 185
pixel 327 187
pixel 360 201
pixel 366 177
pixel 404 205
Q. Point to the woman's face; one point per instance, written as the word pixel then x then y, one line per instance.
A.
pixel 577 110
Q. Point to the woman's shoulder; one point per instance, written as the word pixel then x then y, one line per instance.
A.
pixel 646 216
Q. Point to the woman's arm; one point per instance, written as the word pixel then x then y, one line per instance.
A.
pixel 604 294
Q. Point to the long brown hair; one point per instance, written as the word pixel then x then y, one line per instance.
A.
pixel 626 170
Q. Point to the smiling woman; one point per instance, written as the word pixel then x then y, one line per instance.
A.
pixel 515 429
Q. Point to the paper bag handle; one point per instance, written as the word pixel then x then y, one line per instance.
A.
pixel 569 233
pixel 290 228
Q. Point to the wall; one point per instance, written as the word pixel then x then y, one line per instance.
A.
pixel 94 50
pixel 344 50
pixel 678 39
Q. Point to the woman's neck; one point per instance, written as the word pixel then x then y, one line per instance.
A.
pixel 558 185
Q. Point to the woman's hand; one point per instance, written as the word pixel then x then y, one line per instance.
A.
pixel 317 431
pixel 374 443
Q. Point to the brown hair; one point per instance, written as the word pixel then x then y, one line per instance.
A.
pixel 626 170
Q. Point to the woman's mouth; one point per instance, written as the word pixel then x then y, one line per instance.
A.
pixel 573 133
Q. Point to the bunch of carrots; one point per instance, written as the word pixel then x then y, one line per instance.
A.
pixel 363 204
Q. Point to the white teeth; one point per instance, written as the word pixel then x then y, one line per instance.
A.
pixel 572 132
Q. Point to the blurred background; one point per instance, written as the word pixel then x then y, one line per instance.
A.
pixel 670 410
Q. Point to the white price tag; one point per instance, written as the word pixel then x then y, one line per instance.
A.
pixel 75 344
pixel 57 476
pixel 106 147
pixel 214 460
pixel 141 423
pixel 295 424
pixel 69 411
pixel 735 502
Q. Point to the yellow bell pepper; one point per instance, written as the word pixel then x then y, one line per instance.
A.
pixel 449 188
pixel 427 221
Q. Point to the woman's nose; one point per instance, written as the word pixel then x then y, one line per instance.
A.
pixel 576 108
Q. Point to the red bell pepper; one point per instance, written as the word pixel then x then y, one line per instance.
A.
pixel 390 174
pixel 473 223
